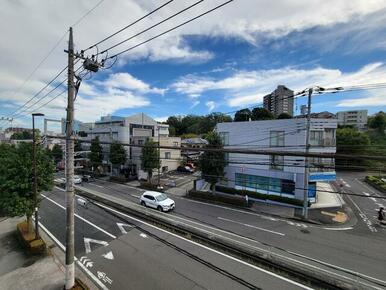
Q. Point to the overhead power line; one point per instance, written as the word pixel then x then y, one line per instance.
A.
pixel 171 29
pixel 129 25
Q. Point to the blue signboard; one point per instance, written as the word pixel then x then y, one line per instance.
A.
pixel 322 176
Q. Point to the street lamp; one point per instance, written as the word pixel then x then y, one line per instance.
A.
pixel 35 185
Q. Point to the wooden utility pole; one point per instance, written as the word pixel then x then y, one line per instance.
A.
pixel 70 265
pixel 306 160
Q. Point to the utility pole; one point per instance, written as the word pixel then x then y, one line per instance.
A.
pixel 306 167
pixel 70 266
pixel 35 184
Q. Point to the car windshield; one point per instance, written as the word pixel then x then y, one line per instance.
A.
pixel 161 197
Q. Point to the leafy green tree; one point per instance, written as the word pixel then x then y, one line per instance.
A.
pixel 284 116
pixel 378 122
pixel 16 178
pixel 150 158
pixel 242 115
pixel 212 163
pixel 209 122
pixel 57 153
pixel 96 155
pixel 345 139
pixel 261 114
pixel 117 154
pixel 78 146
pixel 24 135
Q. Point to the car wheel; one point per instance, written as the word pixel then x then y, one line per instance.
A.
pixel 160 208
pixel 143 203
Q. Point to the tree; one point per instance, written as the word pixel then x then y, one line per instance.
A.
pixel 378 122
pixel 242 115
pixel 209 122
pixel 261 114
pixel 16 179
pixel 57 153
pixel 150 158
pixel 117 154
pixel 345 138
pixel 24 135
pixel 212 163
pixel 78 146
pixel 96 155
pixel 284 116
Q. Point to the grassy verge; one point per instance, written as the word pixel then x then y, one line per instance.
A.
pixel 376 182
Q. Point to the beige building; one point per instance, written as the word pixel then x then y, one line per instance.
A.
pixel 170 158
pixel 356 118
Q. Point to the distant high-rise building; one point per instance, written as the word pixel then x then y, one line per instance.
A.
pixel 356 118
pixel 280 101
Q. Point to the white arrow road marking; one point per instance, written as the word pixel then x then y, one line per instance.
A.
pixel 87 242
pixel 82 258
pixel 143 235
pixel 121 227
pixel 89 264
pixel 109 255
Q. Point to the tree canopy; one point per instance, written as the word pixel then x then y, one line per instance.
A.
pixel 96 155
pixel 117 153
pixel 150 158
pixel 243 115
pixel 261 114
pixel 57 153
pixel 24 135
pixel 212 163
pixel 16 177
pixel 378 122
pixel 284 116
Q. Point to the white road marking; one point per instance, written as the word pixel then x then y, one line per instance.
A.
pixel 81 218
pixel 143 235
pixel 98 185
pixel 251 226
pixel 87 242
pixel 109 256
pixel 133 195
pixel 57 187
pixel 366 193
pixel 339 229
pixel 87 271
pixel 121 227
pixel 210 249
pixel 365 219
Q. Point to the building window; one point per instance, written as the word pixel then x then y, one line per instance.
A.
pixel 226 158
pixel 277 162
pixel 276 138
pixel 265 184
pixel 224 138
pixel 316 138
pixel 175 144
pixel 167 155
pixel 140 142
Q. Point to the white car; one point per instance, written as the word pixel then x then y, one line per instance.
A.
pixel 77 179
pixel 157 200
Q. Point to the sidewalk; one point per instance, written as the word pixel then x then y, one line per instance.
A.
pixel 18 270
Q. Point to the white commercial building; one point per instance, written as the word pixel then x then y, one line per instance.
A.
pixel 278 175
pixel 356 118
pixel 124 130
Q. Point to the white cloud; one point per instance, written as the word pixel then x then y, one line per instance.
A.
pixel 195 104
pixel 161 119
pixel 128 82
pixel 249 87
pixel 211 105
pixel 371 101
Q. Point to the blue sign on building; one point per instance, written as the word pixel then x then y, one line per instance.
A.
pixel 322 176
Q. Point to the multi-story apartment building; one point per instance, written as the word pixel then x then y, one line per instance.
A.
pixel 278 175
pixel 280 101
pixel 192 143
pixel 125 130
pixel 356 118
pixel 170 158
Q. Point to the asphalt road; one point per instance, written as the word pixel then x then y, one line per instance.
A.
pixel 356 248
pixel 123 252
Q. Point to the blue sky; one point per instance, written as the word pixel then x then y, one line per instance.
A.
pixel 222 63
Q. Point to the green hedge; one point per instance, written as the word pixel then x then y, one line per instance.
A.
pixel 258 195
pixel 218 198
pixel 149 186
pixel 376 182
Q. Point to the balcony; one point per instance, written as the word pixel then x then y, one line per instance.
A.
pixel 326 142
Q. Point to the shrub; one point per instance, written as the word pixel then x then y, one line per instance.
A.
pixel 218 198
pixel 376 182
